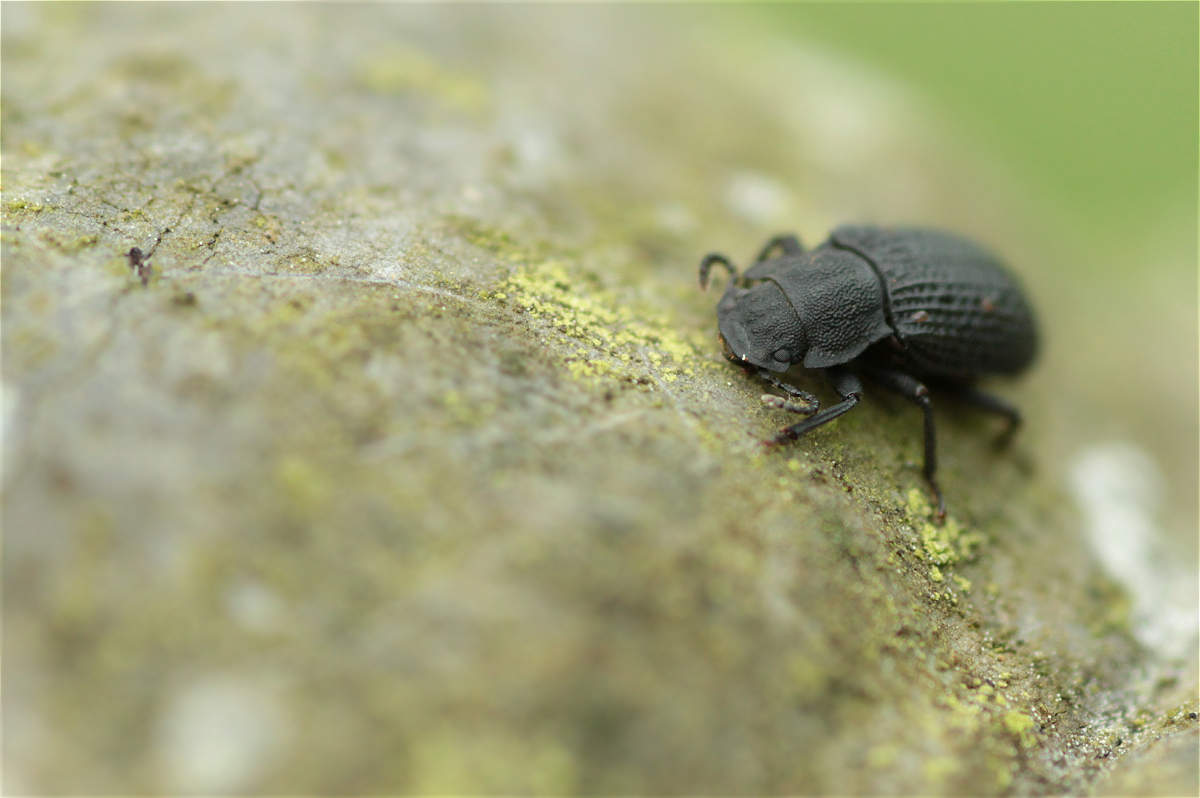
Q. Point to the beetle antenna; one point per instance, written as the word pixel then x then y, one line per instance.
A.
pixel 706 267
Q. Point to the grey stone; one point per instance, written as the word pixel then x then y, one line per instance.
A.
pixel 415 467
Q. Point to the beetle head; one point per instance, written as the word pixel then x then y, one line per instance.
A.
pixel 760 327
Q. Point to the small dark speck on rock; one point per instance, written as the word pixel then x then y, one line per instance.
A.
pixel 139 262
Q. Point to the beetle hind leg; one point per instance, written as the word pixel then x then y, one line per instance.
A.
pixel 994 405
pixel 915 391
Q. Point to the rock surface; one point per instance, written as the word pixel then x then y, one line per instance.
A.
pixel 414 468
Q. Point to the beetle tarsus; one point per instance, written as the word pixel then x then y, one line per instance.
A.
pixel 779 403
pixel 809 402
pixel 940 516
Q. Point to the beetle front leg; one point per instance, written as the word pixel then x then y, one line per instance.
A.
pixel 807 404
pixel 915 391
pixel 847 386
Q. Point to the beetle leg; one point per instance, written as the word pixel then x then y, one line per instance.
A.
pixel 990 404
pixel 788 244
pixel 807 405
pixel 847 386
pixel 779 403
pixel 707 264
pixel 915 391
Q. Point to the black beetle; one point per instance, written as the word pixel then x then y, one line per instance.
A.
pixel 901 306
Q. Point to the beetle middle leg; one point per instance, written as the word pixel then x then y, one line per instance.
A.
pixel 915 391
pixel 788 244
pixel 707 264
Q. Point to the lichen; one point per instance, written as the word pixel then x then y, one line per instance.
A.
pixel 69 243
pixel 946 544
pixel 612 342
pixel 399 423
pixel 20 205
pixel 1021 726
pixel 396 70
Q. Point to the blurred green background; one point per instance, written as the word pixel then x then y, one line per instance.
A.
pixel 1092 105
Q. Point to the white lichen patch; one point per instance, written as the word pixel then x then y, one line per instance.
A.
pixel 255 607
pixel 757 198
pixel 1120 489
pixel 220 734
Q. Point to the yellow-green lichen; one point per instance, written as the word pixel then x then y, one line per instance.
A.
pixel 1021 726
pixel 397 70
pixel 67 243
pixel 982 713
pixel 31 347
pixel 305 262
pixel 270 227
pixel 946 544
pixel 966 717
pixel 464 411
pixel 937 769
pixel 1003 774
pixel 882 756
pixel 305 486
pixel 33 149
pixel 490 761
pixel 610 344
pixel 23 206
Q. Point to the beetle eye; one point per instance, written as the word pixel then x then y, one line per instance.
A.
pixel 783 355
